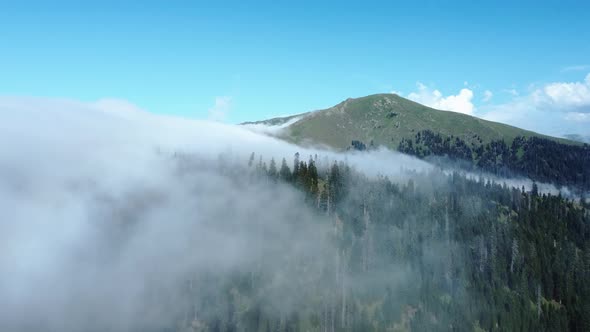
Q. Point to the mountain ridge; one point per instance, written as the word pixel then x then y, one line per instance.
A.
pixel 387 119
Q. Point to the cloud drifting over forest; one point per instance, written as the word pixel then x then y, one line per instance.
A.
pixel 107 210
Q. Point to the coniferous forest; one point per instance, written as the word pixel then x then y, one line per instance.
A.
pixel 540 159
pixel 425 252
pixel 294 166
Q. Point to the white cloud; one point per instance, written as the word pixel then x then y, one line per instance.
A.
pixel 564 96
pixel 117 106
pixel 512 92
pixel 556 108
pixel 85 195
pixel 271 130
pixel 576 68
pixel 461 102
pixel 87 190
pixel 577 117
pixel 219 111
pixel 487 95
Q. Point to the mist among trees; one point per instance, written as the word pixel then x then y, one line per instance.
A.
pixel 151 229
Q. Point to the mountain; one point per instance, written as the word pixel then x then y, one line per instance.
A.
pixel 387 119
pixel 400 124
pixel 578 138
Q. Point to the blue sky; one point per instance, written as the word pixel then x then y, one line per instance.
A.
pixel 238 61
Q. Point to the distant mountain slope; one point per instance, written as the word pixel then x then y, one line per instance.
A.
pixel 578 138
pixel 386 119
pixel 400 124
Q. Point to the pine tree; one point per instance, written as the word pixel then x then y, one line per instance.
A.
pixel 251 161
pixel 302 178
pixel 272 170
pixel 535 189
pixel 324 200
pixel 295 175
pixel 335 185
pixel 285 172
pixel 259 165
pixel 312 172
pixel 264 168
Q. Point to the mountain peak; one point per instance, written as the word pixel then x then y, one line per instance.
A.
pixel 386 119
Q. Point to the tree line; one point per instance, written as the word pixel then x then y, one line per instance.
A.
pixel 434 252
pixel 540 159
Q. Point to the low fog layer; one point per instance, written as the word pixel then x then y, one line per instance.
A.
pixel 105 221
pixel 108 211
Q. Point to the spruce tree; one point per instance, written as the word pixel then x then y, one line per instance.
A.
pixel 335 184
pixel 251 160
pixel 295 175
pixel 312 172
pixel 272 170
pixel 285 172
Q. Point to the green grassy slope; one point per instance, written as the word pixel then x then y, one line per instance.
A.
pixel 387 118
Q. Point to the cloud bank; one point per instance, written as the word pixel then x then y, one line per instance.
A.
pixel 555 108
pixel 221 108
pixel 575 68
pixel 460 103
pixel 487 96
pixel 109 213
pixel 271 129
pixel 564 96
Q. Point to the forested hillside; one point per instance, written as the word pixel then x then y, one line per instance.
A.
pixel 391 121
pixel 430 253
pixel 538 158
pixel 294 166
